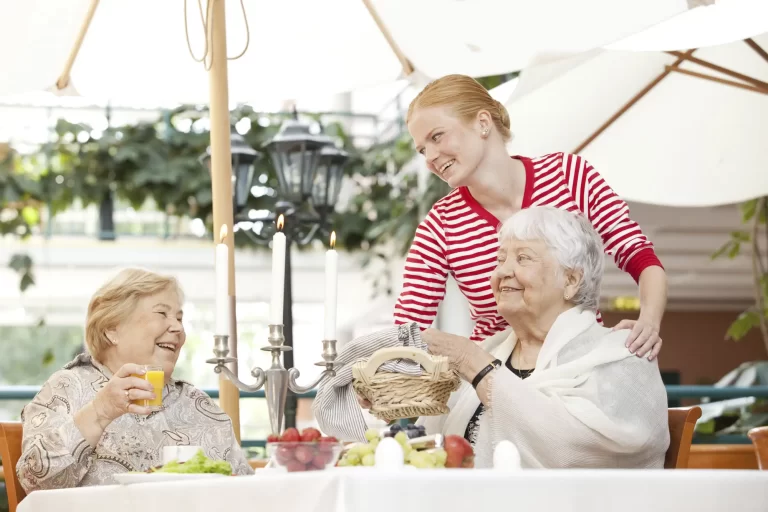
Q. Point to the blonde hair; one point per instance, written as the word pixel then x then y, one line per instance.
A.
pixel 116 300
pixel 466 97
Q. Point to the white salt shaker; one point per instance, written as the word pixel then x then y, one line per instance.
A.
pixel 506 457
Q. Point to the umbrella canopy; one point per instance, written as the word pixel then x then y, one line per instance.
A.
pixel 137 51
pixel 661 129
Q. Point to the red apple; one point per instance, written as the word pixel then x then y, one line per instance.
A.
pixel 284 454
pixel 459 452
pixel 310 434
pixel 304 454
pixel 291 435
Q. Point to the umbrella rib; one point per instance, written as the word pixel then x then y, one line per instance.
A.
pixel 721 69
pixel 63 79
pixel 408 68
pixel 719 80
pixel 637 97
pixel 760 51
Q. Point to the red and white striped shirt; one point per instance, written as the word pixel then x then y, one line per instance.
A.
pixel 460 237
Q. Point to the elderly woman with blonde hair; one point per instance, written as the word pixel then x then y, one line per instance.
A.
pixel 83 427
pixel 560 386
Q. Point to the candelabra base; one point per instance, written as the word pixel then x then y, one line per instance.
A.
pixel 276 379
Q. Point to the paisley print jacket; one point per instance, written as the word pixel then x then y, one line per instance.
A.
pixel 55 455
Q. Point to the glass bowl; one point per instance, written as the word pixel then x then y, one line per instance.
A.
pixel 304 456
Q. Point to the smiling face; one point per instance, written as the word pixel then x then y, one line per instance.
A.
pixel 152 334
pixel 452 148
pixel 527 280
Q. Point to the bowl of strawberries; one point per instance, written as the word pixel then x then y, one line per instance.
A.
pixel 307 450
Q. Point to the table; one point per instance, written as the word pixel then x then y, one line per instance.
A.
pixel 373 490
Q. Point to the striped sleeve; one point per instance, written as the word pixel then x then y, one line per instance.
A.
pixel 622 237
pixel 425 275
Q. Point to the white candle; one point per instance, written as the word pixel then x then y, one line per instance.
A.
pixel 222 284
pixel 278 275
pixel 331 289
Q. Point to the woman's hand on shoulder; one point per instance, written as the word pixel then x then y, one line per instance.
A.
pixel 643 339
pixel 114 399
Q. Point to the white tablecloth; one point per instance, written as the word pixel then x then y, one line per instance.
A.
pixel 370 490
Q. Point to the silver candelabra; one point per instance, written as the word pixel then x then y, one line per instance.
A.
pixel 276 379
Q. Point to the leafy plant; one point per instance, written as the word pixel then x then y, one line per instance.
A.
pixel 754 215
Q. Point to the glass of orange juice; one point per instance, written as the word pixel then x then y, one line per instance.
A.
pixel 155 376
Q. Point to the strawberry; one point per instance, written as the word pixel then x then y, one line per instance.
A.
pixel 304 454
pixel 284 455
pixel 273 438
pixel 294 466
pixel 291 435
pixel 310 434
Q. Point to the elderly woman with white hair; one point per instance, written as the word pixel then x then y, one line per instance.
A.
pixel 83 426
pixel 564 389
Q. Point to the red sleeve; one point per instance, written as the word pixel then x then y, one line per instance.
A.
pixel 425 274
pixel 622 237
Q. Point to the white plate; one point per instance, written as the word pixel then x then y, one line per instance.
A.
pixel 142 478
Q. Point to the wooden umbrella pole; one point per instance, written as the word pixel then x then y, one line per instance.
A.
pixel 404 61
pixel 221 182
pixel 723 70
pixel 732 83
pixel 637 97
pixel 63 79
pixel 760 51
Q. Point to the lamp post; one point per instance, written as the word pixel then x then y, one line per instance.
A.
pixel 309 171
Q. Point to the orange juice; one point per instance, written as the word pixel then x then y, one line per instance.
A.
pixel 155 376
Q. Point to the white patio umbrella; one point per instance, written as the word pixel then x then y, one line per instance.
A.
pixel 676 128
pixel 140 50
pixel 137 51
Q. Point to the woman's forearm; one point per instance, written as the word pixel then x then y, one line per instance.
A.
pixel 653 294
pixel 90 424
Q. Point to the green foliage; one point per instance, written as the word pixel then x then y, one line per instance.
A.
pixel 159 160
pixel 753 213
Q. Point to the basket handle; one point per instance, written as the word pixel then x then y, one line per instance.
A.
pixel 433 365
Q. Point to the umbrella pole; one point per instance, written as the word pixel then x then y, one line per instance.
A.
pixel 648 88
pixel 63 79
pixel 221 182
pixel 404 61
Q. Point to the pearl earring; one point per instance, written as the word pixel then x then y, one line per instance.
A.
pixel 485 132
pixel 567 297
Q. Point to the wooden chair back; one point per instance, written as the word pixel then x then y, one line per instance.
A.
pixel 759 437
pixel 10 452
pixel 682 421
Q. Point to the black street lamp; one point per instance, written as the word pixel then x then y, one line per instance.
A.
pixel 327 183
pixel 244 158
pixel 295 154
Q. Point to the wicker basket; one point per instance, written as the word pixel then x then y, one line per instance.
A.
pixel 395 396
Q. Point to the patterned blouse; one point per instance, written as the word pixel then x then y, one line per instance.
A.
pixel 55 455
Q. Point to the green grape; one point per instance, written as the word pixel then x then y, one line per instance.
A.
pixel 369 460
pixel 402 438
pixel 374 442
pixel 343 462
pixel 411 455
pixel 366 449
pixel 420 460
pixel 371 434
pixel 353 458
pixel 440 456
